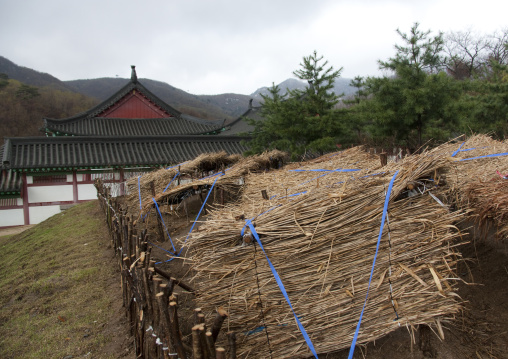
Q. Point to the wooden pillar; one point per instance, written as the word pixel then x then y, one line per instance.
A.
pixel 24 195
pixel 122 179
pixel 75 187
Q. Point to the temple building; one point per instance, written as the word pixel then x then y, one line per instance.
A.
pixel 131 132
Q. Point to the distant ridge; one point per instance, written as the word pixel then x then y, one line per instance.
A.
pixel 223 106
pixel 341 86
pixel 30 77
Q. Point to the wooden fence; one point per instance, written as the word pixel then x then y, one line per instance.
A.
pixel 150 302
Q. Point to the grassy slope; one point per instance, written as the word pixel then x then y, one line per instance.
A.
pixel 58 285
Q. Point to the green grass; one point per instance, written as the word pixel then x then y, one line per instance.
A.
pixel 55 286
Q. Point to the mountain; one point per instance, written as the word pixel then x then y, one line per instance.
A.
pixel 224 106
pixel 210 107
pixel 341 86
pixel 29 76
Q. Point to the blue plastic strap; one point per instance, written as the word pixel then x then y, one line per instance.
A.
pixel 319 170
pixel 177 165
pixel 160 214
pixel 493 155
pixel 458 150
pixel 139 192
pixel 282 289
pixel 177 173
pixel 193 224
pixel 383 218
pixel 162 249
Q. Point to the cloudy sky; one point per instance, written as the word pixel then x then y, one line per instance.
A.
pixel 220 46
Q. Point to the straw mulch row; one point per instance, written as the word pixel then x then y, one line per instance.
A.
pixel 478 184
pixel 322 244
pixel 234 167
pixel 161 178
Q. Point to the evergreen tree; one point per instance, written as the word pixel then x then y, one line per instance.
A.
pixel 302 120
pixel 412 105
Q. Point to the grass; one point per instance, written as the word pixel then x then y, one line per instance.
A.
pixel 57 285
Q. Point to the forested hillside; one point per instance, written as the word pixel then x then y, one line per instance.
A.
pixel 22 107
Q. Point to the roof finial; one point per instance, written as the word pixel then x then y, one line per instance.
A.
pixel 134 77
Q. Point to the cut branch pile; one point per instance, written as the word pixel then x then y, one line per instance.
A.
pixel 322 244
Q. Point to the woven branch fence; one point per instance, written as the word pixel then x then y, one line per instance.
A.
pixel 151 297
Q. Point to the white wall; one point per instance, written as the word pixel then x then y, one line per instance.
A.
pixel 86 192
pixel 12 217
pixel 50 194
pixel 41 213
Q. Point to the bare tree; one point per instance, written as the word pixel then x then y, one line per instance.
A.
pixel 498 47
pixel 467 53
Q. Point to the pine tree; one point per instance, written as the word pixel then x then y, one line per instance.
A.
pixel 412 105
pixel 302 120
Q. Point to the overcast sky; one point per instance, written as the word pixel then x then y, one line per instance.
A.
pixel 220 46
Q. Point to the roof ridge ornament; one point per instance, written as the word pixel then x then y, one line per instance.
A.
pixel 134 77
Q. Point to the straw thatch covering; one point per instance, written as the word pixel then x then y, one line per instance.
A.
pixel 322 244
pixel 161 178
pixel 319 222
pixel 166 183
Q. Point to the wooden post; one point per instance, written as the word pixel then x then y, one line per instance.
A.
pixel 232 345
pixel 210 344
pixel 160 231
pixel 196 344
pixel 217 323
pixel 175 329
pixel 383 156
pixel 220 353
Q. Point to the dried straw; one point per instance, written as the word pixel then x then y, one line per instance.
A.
pixel 322 244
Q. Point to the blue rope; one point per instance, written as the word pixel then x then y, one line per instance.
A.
pixel 383 218
pixel 282 289
pixel 165 250
pixel 139 192
pixel 492 155
pixel 458 150
pixel 319 170
pixel 177 173
pixel 193 224
pixel 177 165
pixel 160 214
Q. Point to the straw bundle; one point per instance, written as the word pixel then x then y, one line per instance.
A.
pixel 228 181
pixel 191 169
pixel 330 170
pixel 322 244
pixel 489 201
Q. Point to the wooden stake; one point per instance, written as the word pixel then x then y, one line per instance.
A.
pixel 220 353
pixel 232 345
pixel 196 345
pixel 217 323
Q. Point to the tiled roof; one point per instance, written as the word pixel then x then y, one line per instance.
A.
pixel 58 153
pixel 10 183
pixel 240 125
pixel 89 123
pixel 99 126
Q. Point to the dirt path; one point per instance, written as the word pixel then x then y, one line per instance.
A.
pixel 14 230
